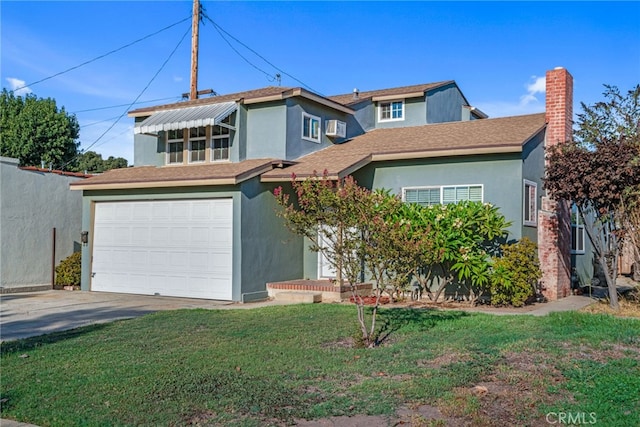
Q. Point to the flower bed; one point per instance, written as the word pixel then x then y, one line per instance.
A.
pixel 371 300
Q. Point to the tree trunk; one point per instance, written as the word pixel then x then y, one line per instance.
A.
pixel 610 277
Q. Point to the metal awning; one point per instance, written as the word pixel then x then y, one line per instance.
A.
pixel 183 118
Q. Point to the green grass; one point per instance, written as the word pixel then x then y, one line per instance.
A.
pixel 277 364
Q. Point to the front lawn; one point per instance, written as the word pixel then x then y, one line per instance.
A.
pixel 275 365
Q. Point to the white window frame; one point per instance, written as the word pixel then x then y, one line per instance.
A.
pixel 174 141
pixel 531 202
pixel 311 118
pixel 577 230
pixel 215 138
pixel 391 109
pixel 199 138
pixel 441 188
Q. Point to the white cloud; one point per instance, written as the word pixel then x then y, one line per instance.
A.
pixel 534 88
pixel 177 79
pixel 18 86
pixel 527 103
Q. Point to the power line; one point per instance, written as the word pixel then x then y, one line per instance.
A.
pixel 103 55
pixel 134 101
pixel 177 98
pixel 240 55
pixel 222 30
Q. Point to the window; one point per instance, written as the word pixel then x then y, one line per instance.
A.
pixel 220 143
pixel 310 127
pixel 390 111
pixel 577 232
pixel 175 146
pixel 197 144
pixel 530 208
pixel 428 196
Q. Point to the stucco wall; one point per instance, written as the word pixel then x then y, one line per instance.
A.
pixel 298 146
pixel 31 205
pixel 533 170
pixel 269 251
pixel 500 175
pixel 266 130
pixel 414 114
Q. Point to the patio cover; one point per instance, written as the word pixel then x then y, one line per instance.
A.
pixel 186 118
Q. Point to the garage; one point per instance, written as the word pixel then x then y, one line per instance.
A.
pixel 181 248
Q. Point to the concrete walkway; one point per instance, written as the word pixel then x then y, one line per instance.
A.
pixel 29 314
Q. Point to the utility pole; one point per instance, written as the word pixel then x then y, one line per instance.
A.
pixel 195 26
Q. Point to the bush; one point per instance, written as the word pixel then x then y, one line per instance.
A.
pixel 68 272
pixel 515 274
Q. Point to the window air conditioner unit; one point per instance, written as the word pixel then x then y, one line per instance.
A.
pixel 336 128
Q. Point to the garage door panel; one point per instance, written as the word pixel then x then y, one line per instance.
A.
pixel 177 248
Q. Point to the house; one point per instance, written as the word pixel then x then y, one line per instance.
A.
pixel 195 217
pixel 40 224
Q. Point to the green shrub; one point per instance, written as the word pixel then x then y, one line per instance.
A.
pixel 68 272
pixel 515 274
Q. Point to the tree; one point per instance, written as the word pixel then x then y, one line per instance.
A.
pixel 463 237
pixel 597 171
pixel 357 231
pixel 92 162
pixel 34 130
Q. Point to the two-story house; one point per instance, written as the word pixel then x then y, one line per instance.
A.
pixel 196 216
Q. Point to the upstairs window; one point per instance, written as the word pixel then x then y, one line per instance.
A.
pixel 310 127
pixel 530 204
pixel 390 111
pixel 220 143
pixel 175 146
pixel 429 196
pixel 577 232
pixel 197 144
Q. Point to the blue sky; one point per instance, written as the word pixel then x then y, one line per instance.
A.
pixel 497 52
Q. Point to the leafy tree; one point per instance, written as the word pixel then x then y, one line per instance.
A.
pixel 597 171
pixel 115 163
pixel 515 274
pixel 363 232
pixel 93 162
pixel 463 237
pixel 34 130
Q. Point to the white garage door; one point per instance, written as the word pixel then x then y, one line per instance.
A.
pixel 175 248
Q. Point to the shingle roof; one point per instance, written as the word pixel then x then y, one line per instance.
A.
pixel 348 98
pixel 499 135
pixel 177 176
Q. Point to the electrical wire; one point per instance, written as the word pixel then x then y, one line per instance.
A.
pixel 269 76
pixel 177 98
pixel 101 56
pixel 222 30
pixel 134 101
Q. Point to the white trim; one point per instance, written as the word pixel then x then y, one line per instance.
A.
pixel 196 139
pixel 531 222
pixel 391 119
pixel 173 141
pixel 310 138
pixel 441 189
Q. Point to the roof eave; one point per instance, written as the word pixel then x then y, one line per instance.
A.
pixel 244 176
pixel 408 155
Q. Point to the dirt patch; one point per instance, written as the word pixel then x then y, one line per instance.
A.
pixel 602 355
pixel 443 360
pixel 512 392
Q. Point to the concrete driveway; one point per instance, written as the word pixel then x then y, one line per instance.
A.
pixel 30 314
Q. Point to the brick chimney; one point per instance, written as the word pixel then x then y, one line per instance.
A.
pixel 554 221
